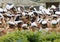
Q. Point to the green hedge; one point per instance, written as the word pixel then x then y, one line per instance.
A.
pixel 29 36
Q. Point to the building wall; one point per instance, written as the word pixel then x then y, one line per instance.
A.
pixel 19 2
pixel 59 6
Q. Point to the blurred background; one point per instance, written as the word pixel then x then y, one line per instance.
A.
pixel 36 3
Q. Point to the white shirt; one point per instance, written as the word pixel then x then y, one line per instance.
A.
pixel 58 20
pixel 54 22
pixel 1 10
pixel 39 20
pixel 34 24
pixel 24 25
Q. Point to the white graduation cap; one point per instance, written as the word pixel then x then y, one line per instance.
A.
pixel 39 12
pixel 5 10
pixel 1 10
pixel 33 24
pixel 48 9
pixel 57 12
pixel 9 15
pixel 24 25
pixel 47 12
pixel 54 15
pixel 44 22
pixel 35 9
pixel 9 22
pixel 40 20
pixel 41 7
pixel 43 11
pixel 16 22
pixel 9 6
pixel 19 9
pixel 1 16
pixel 30 13
pixel 54 22
pixel 53 6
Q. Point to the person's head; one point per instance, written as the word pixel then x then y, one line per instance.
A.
pixel 11 8
pixel 13 11
pixel 27 17
pixel 20 24
pixel 44 17
pixel 33 19
pixel 34 26
pixel 22 8
pixel 24 19
pixel 54 23
pixel 36 14
pixel 31 8
pixel 24 26
pixel 11 24
pixel 44 24
pixel 55 17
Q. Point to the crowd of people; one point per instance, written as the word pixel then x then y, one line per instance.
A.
pixel 19 18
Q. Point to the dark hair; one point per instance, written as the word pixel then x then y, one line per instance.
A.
pixel 24 28
pixel 33 19
pixel 28 17
pixel 39 16
pixel 44 26
pixel 12 26
pixel 19 24
pixel 54 17
pixel 35 14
